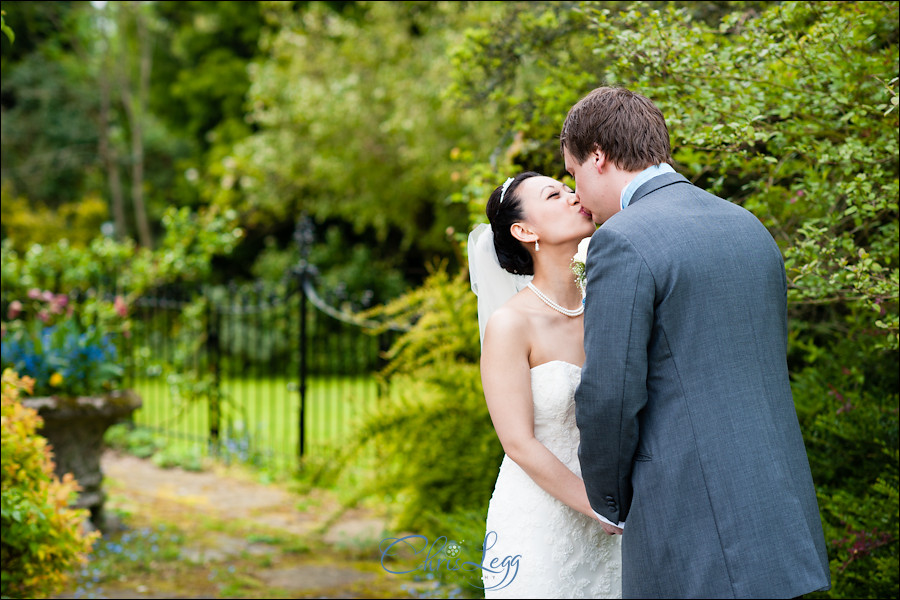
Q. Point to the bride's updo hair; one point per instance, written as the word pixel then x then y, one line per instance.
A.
pixel 510 252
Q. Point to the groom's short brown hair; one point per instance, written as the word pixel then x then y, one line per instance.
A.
pixel 627 127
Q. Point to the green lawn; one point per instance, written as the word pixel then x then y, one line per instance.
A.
pixel 260 416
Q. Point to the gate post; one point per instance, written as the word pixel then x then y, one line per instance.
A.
pixel 213 358
pixel 303 236
pixel 301 274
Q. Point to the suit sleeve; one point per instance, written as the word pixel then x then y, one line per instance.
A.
pixel 617 326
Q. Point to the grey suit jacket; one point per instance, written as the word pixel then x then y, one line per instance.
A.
pixel 688 427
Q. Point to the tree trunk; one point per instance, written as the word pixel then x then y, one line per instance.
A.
pixel 110 159
pixel 135 109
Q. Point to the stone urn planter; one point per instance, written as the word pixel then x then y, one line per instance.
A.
pixel 74 427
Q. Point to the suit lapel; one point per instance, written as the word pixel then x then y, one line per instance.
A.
pixel 657 183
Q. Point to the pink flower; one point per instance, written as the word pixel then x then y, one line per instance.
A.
pixel 15 307
pixel 121 307
pixel 48 296
pixel 44 316
pixel 58 303
pixel 34 293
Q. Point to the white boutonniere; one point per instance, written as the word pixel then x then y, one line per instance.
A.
pixel 578 263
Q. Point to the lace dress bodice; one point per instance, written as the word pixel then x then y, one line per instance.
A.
pixel 553 390
pixel 561 552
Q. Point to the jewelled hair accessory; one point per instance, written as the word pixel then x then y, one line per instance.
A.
pixel 506 183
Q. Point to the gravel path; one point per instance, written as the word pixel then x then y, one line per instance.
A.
pixel 343 562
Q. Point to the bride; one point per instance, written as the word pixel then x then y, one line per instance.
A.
pixel 539 519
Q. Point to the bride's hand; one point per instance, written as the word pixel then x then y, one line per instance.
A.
pixel 610 529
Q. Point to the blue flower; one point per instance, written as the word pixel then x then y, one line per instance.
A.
pixel 63 358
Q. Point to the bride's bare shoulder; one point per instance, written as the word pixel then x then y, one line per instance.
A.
pixel 509 322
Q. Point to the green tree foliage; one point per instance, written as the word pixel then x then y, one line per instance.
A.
pixel 47 136
pixel 352 124
pixel 530 62
pixel 271 108
pixel 201 75
pixel 75 122
pixel 794 117
pixel 43 539
pixel 199 86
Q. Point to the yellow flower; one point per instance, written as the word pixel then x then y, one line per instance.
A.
pixel 56 379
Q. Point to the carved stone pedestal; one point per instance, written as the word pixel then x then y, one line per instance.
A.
pixel 74 427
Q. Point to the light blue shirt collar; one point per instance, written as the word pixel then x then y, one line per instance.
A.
pixel 642 178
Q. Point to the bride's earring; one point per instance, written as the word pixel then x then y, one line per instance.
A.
pixel 537 246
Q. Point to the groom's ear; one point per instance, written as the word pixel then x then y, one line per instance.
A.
pixel 598 161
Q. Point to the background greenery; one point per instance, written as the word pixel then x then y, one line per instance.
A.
pixel 181 141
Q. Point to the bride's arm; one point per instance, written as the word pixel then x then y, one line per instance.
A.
pixel 506 379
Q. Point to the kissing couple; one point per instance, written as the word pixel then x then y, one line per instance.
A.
pixel 652 448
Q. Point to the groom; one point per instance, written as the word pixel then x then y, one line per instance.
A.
pixel 690 444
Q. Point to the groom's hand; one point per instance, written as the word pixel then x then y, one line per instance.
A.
pixel 610 529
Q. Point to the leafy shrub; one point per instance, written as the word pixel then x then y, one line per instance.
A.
pixel 143 443
pixel 437 447
pixel 138 441
pixel 184 254
pixel 847 405
pixel 29 222
pixel 42 538
pixel 437 452
pixel 170 457
pixel 439 320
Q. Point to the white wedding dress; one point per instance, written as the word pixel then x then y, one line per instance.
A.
pixel 541 547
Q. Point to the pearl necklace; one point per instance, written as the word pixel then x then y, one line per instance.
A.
pixel 566 311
